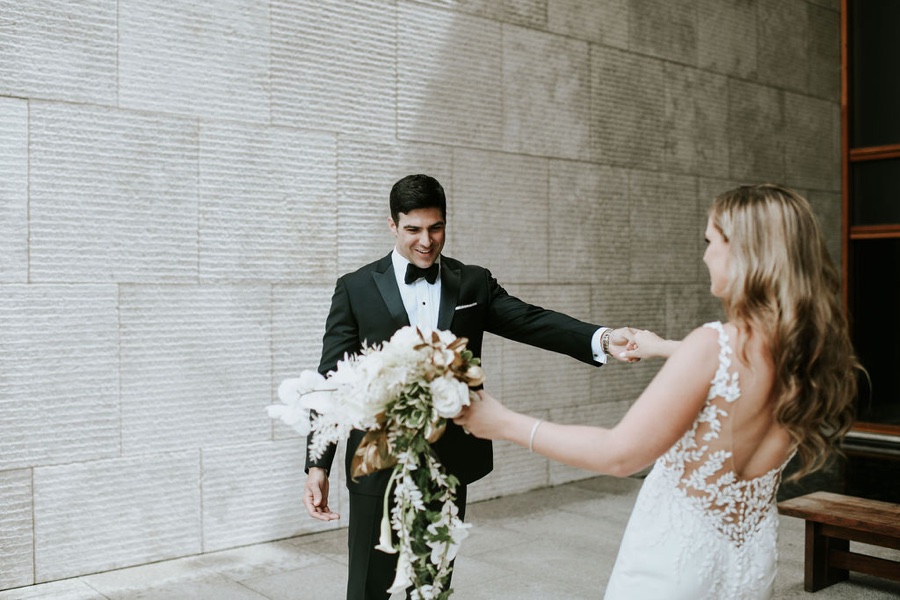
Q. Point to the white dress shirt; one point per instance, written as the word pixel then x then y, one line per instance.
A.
pixel 420 298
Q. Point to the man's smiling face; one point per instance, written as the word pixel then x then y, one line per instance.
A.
pixel 419 235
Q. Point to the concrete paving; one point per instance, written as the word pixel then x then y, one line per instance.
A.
pixel 553 543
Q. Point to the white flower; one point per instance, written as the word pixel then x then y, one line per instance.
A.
pixel 385 544
pixel 408 491
pixel 447 337
pixel 300 395
pixel 293 416
pixel 401 349
pixel 443 551
pixel 403 578
pixel 449 395
pixel 405 337
pixel 356 403
pixel 426 592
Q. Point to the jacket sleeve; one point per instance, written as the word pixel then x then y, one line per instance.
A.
pixel 520 321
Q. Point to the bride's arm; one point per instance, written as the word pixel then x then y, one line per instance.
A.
pixel 661 415
pixel 646 344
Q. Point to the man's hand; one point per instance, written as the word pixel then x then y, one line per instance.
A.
pixel 621 340
pixel 315 495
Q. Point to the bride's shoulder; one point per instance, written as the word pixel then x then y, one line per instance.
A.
pixel 699 346
pixel 707 334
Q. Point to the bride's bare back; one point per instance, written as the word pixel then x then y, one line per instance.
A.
pixel 758 442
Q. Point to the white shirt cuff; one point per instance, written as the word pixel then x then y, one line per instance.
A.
pixel 596 346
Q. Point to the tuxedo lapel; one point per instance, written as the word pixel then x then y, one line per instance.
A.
pixel 450 285
pixel 386 283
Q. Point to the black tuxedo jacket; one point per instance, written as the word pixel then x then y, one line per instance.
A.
pixel 367 309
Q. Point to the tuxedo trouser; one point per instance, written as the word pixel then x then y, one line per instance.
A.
pixel 372 571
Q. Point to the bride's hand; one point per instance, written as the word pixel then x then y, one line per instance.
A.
pixel 483 418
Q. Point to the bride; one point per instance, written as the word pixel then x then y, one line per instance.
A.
pixel 732 405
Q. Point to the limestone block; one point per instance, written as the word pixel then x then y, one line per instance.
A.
pixel 501 214
pixel 782 48
pixel 546 94
pixel 102 515
pixel 828 206
pixel 59 383
pixel 113 195
pixel 598 414
pixel 515 471
pixel 689 306
pixel 268 204
pixel 627 108
pixel 623 382
pixel 756 124
pixel 449 74
pixel 665 236
pixel 589 223
pixel 13 189
pixel 366 172
pixel 254 493
pixel 811 159
pixel 709 189
pixel 208 59
pixel 59 50
pixel 599 22
pixel 727 37
pixel 529 13
pixel 830 4
pixel 696 122
pixel 298 323
pixel 333 66
pixel 492 361
pixel 536 379
pixel 664 28
pixel 482 8
pixel 196 366
pixel 16 529
pixel 633 305
pixel 824 53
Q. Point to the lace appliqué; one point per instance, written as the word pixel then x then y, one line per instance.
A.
pixel 700 463
pixel 698 531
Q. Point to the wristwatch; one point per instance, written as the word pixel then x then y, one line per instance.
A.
pixel 604 340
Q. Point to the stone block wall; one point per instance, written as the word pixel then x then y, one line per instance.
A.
pixel 182 182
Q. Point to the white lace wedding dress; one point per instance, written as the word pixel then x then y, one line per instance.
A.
pixel 698 531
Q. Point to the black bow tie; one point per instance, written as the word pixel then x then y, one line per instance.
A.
pixel 413 273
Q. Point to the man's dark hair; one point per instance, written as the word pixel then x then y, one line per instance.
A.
pixel 417 191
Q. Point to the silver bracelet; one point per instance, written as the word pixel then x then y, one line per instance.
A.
pixel 533 431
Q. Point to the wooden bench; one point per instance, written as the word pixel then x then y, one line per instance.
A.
pixel 832 521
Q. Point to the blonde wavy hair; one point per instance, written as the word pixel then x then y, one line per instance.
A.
pixel 783 285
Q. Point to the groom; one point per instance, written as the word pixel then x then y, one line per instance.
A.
pixel 415 285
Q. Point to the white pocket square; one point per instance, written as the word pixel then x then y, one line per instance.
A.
pixel 464 306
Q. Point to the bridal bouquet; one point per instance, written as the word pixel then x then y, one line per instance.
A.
pixel 401 394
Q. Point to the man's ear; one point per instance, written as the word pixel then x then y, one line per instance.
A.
pixel 392 225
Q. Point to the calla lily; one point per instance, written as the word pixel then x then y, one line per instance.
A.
pixel 403 579
pixel 385 544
